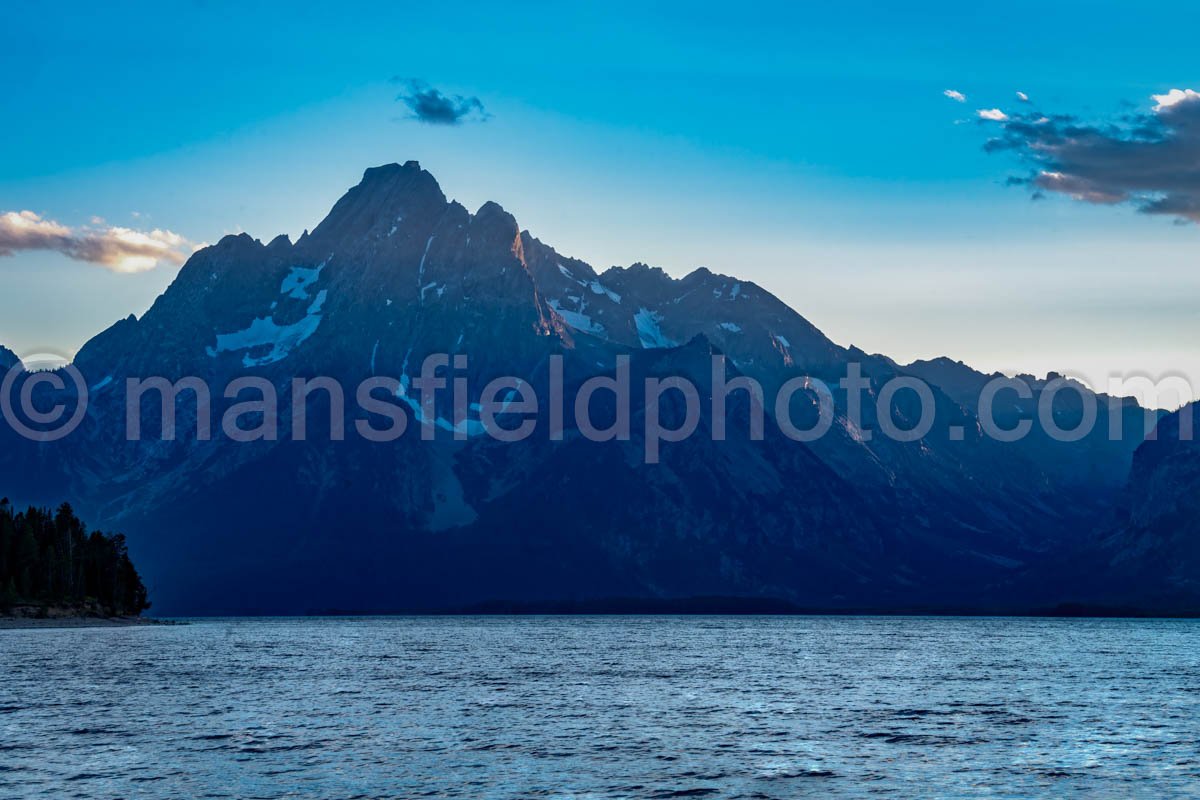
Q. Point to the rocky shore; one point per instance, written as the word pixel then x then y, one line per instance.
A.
pixel 25 617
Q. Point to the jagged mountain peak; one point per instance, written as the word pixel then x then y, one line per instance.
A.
pixel 702 274
pixel 280 242
pixel 407 177
pixel 396 241
pixel 492 220
pixel 654 278
pixel 394 171
pixel 385 197
pixel 237 240
pixel 492 208
pixel 639 269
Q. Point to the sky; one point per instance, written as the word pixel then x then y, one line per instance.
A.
pixel 871 164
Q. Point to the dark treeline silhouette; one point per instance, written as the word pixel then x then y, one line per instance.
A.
pixel 50 559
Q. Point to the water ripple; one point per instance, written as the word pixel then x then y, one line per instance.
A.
pixel 603 707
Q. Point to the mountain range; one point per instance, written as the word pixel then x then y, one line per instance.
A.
pixel 954 520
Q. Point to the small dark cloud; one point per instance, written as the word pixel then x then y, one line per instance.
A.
pixel 430 106
pixel 1147 158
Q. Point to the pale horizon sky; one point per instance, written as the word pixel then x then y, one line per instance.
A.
pixel 814 152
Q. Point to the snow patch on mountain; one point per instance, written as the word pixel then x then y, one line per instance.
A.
pixel 299 279
pixel 471 427
pixel 649 332
pixel 598 288
pixel 439 288
pixel 577 319
pixel 405 381
pixel 266 332
pixel 594 284
pixel 421 269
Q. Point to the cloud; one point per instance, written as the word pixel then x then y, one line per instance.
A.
pixel 1149 159
pixel 954 94
pixel 993 114
pixel 1024 98
pixel 430 106
pixel 118 249
pixel 1173 98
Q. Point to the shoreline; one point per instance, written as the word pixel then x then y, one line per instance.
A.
pixel 32 623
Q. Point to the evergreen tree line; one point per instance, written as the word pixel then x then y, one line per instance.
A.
pixel 50 559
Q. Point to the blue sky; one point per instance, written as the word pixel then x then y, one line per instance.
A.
pixel 807 148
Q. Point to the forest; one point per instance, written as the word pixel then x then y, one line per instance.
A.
pixel 51 560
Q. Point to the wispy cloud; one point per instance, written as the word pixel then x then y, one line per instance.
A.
pixel 992 114
pixel 118 249
pixel 954 94
pixel 1150 159
pixel 430 106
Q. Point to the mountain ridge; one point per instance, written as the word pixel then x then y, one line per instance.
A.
pixel 396 272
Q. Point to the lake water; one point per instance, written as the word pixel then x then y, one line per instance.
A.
pixel 603 707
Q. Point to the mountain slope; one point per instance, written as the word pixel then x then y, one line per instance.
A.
pixel 1152 551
